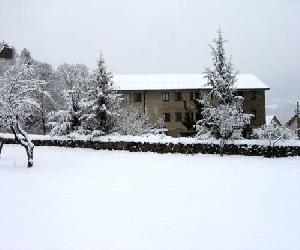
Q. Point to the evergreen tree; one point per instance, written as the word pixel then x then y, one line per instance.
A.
pixel 223 116
pixel 102 102
pixel 26 57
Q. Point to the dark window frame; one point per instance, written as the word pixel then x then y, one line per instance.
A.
pixel 137 97
pixel 166 97
pixel 192 96
pixel 178 117
pixel 253 95
pixel 178 96
pixel 167 117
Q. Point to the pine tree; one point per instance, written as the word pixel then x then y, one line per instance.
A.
pixel 102 102
pixel 26 57
pixel 223 116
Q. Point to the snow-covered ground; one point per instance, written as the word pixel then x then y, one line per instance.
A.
pixel 155 138
pixel 74 199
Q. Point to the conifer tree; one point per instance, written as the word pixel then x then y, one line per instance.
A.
pixel 102 102
pixel 222 115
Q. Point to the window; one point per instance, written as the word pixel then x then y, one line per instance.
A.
pixel 191 96
pixel 253 112
pixel 253 95
pixel 178 117
pixel 167 117
pixel 137 97
pixel 197 95
pixel 240 93
pixel 166 97
pixel 177 96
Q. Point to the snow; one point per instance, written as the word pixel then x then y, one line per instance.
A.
pixel 154 138
pixel 269 119
pixel 179 81
pixel 76 199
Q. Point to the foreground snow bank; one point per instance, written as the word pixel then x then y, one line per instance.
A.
pixel 76 199
pixel 154 138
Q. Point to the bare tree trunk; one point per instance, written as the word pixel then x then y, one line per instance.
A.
pixel 1 146
pixel 22 138
pixel 222 143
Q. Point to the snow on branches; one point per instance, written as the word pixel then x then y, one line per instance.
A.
pixel 19 88
pixel 74 79
pixel 101 105
pixel 274 133
pixel 222 112
pixel 132 122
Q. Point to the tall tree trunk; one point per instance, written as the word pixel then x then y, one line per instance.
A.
pixel 1 146
pixel 222 144
pixel 22 138
pixel 44 125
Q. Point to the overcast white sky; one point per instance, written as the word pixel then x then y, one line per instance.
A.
pixel 161 36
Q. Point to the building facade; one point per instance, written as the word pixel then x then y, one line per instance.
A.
pixel 172 97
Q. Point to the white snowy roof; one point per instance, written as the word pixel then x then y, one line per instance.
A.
pixel 179 81
pixel 273 119
pixel 269 118
pixel 2 45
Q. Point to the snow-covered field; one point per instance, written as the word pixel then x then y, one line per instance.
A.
pixel 79 199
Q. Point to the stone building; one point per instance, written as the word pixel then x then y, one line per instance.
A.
pixel 172 96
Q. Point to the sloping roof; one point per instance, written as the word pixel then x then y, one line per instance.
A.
pixel 269 118
pixel 290 121
pixel 273 119
pixel 179 81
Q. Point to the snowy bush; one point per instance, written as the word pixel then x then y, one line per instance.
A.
pixel 133 122
pixel 274 133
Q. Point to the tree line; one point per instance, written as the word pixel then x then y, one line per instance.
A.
pixel 71 100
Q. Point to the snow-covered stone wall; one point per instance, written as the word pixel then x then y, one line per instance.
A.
pixel 187 146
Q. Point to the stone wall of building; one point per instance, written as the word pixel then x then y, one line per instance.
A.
pixel 254 103
pixel 153 102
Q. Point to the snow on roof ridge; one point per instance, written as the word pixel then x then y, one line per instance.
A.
pixel 178 81
pixel 3 44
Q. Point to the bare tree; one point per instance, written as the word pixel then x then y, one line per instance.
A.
pixel 19 90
